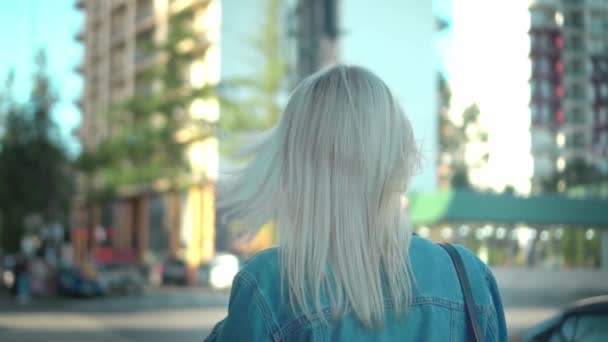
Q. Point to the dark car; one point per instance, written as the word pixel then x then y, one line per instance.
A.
pixel 585 320
pixel 174 271
pixel 121 278
pixel 72 282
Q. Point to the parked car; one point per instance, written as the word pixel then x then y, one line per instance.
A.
pixel 174 271
pixel 75 282
pixel 121 278
pixel 585 320
pixel 219 272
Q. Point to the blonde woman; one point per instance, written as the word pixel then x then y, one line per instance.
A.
pixel 331 175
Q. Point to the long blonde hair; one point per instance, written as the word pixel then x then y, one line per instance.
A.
pixel 331 175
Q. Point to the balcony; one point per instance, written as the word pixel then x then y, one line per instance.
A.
pixel 144 10
pixel 118 3
pixel 117 38
pixel 145 23
pixel 117 74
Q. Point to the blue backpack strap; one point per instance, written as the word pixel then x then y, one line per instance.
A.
pixel 469 301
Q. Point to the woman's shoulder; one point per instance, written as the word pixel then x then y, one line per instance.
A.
pixel 262 265
pixel 433 270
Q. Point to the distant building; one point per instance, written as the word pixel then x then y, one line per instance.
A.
pixel 117 36
pixel 569 85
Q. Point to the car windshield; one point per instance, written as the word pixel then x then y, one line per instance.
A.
pixel 583 328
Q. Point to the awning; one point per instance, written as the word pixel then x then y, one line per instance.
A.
pixel 465 206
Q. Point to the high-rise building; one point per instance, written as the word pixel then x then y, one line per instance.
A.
pixel 569 85
pixel 117 36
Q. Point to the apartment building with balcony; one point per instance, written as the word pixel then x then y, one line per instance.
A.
pixel 117 37
pixel 569 85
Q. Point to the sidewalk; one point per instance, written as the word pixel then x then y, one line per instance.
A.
pixel 8 303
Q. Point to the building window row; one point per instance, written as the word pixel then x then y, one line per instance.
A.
pixel 543 17
pixel 575 116
pixel 545 42
pixel 598 23
pixel 576 140
pixel 542 88
pixel 601 93
pixel 145 9
pixel 574 42
pixel 542 113
pixel 602 116
pixel 602 139
pixel 575 91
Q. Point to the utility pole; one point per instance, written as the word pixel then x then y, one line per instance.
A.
pixel 317 33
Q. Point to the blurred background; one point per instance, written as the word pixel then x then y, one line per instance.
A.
pixel 118 116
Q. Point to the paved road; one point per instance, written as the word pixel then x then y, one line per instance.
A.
pixel 184 314
pixel 171 314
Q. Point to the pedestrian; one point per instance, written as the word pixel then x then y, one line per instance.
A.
pixel 22 279
pixel 331 176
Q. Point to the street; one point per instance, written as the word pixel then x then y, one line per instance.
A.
pixel 179 314
pixel 168 314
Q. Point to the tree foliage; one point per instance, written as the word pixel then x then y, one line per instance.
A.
pixel 454 138
pixel 35 170
pixel 577 172
pixel 252 103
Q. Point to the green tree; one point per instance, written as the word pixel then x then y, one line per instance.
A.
pixel 454 138
pixel 251 103
pixel 34 167
pixel 578 172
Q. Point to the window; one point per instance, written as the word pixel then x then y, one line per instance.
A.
pixel 536 110
pixel 583 328
pixel 604 91
pixel 575 91
pixel 545 114
pixel 603 138
pixel 602 116
pixel 602 66
pixel 541 66
pixel 575 116
pixel 144 45
pixel 575 65
pixel 543 17
pixel 541 42
pixel 576 140
pixel 574 19
pixel 574 42
pixel 545 89
pixel 118 22
pixel 541 88
pixel 145 9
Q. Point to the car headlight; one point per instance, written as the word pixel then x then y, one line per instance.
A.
pixel 8 278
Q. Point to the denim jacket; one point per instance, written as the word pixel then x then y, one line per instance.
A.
pixel 256 311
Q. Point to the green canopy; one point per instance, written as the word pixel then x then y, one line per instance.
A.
pixel 467 206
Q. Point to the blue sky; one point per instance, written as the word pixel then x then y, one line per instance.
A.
pixel 28 25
